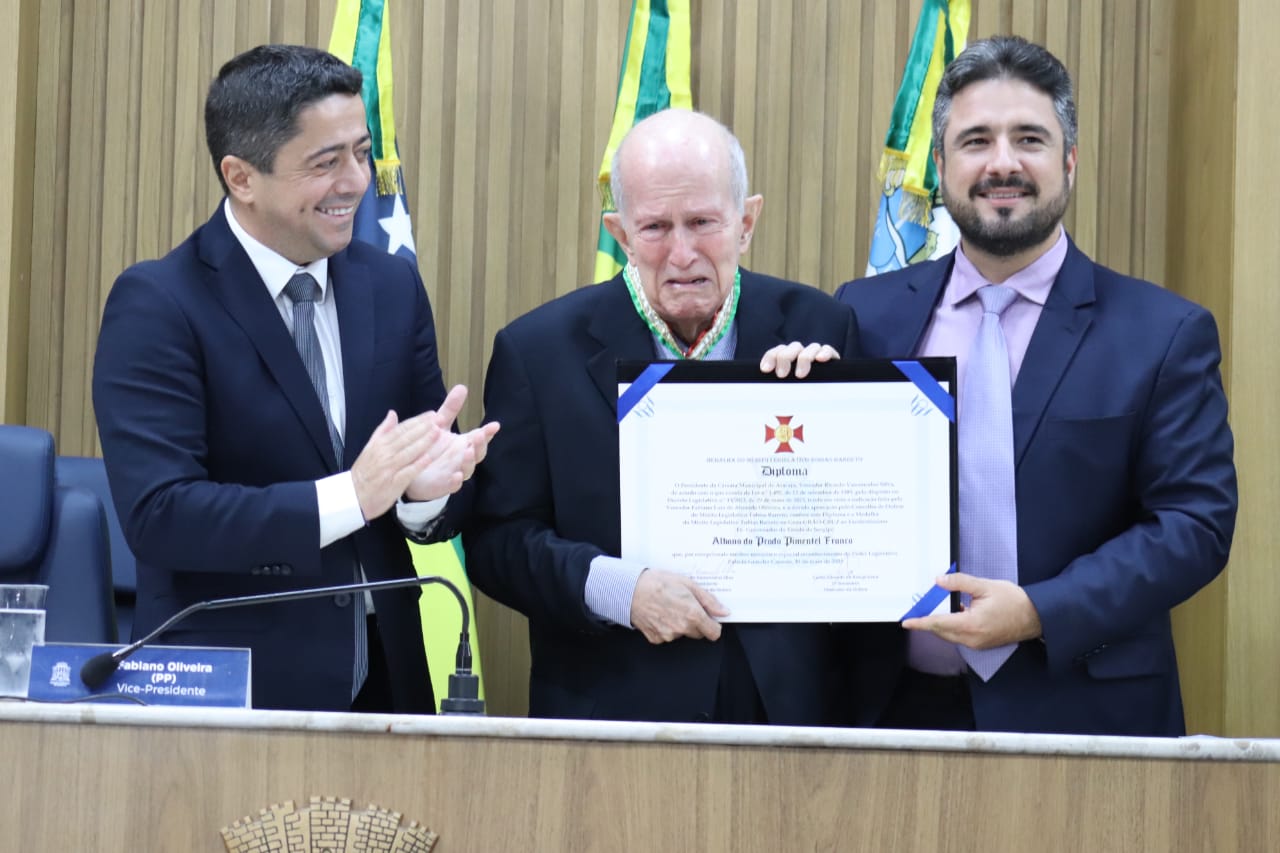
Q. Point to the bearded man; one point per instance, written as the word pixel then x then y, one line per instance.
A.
pixel 1097 486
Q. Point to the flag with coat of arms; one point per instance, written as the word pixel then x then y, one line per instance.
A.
pixel 911 222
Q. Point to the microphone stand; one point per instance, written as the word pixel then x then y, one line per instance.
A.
pixel 463 696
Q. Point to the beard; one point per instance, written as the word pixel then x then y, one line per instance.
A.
pixel 1007 236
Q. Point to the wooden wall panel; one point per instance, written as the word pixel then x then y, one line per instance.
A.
pixel 49 219
pixel 19 48
pixel 1200 249
pixel 1253 586
pixel 503 111
pixel 118 137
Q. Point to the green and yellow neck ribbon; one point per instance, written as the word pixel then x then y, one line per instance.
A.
pixel 699 347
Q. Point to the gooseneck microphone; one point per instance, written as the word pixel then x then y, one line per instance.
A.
pixel 463 696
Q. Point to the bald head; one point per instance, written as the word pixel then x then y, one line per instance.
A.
pixel 690 139
pixel 683 218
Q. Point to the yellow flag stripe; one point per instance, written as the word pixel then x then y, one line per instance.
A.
pixel 441 620
pixel 920 140
pixel 386 103
pixel 346 19
pixel 679 58
pixel 656 74
pixel 629 89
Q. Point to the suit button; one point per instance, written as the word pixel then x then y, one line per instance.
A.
pixel 342 599
pixel 255 571
pixel 702 717
pixel 286 570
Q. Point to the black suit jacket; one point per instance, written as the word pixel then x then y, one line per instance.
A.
pixel 213 437
pixel 547 504
pixel 1126 494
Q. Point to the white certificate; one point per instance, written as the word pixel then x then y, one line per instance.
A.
pixel 827 499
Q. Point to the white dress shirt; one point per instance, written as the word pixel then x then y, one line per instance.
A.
pixel 340 513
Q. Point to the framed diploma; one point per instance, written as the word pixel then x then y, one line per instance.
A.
pixel 825 499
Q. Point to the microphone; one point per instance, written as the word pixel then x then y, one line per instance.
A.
pixel 462 697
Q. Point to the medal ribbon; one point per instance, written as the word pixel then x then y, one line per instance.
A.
pixel 705 341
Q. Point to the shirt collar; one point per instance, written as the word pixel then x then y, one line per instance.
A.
pixel 273 268
pixel 1033 282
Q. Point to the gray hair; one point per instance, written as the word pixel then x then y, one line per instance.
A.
pixel 737 166
pixel 1007 57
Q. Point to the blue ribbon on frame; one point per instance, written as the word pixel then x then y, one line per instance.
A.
pixel 929 386
pixel 644 383
pixel 946 404
pixel 929 601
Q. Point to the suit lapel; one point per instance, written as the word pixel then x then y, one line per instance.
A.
pixel 1067 315
pixel 354 301
pixel 915 305
pixel 759 318
pixel 236 284
pixel 621 335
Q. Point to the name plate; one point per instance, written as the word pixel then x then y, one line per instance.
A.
pixel 153 675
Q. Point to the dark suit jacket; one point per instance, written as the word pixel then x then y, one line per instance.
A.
pixel 213 437
pixel 547 504
pixel 1126 493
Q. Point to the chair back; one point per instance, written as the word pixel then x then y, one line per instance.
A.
pixel 88 472
pixel 26 499
pixel 54 535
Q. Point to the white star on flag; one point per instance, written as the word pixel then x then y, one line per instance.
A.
pixel 398 228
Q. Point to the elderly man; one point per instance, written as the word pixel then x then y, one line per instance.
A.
pixel 611 639
pixel 1097 488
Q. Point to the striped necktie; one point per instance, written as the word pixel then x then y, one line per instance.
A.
pixel 303 291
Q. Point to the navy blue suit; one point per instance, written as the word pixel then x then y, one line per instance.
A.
pixel 547 504
pixel 1126 494
pixel 213 438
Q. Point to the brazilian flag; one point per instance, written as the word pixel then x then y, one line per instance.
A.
pixel 655 75
pixel 362 38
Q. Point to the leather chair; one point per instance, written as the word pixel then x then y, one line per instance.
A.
pixel 54 535
pixel 88 472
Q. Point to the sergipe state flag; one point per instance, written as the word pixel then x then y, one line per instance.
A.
pixel 911 222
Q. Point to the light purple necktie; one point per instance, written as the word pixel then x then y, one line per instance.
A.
pixel 988 513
